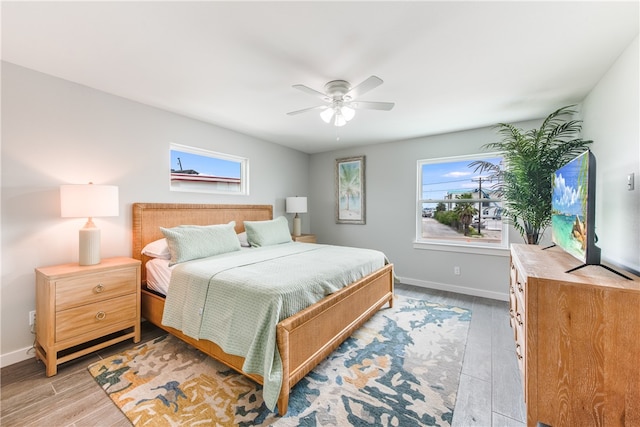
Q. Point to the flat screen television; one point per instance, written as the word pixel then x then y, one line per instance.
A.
pixel 573 209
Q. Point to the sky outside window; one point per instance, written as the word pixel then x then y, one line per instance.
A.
pixel 457 177
pixel 205 165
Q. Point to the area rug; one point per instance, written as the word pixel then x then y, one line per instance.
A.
pixel 401 368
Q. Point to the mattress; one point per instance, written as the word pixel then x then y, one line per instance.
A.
pixel 159 275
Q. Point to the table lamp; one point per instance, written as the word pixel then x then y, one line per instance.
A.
pixel 88 200
pixel 296 205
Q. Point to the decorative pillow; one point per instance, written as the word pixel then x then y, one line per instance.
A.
pixel 267 233
pixel 157 249
pixel 243 239
pixel 200 241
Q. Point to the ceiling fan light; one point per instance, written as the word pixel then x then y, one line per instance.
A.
pixel 340 120
pixel 327 115
pixel 348 113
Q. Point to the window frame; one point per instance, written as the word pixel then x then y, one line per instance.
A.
pixel 205 187
pixel 483 247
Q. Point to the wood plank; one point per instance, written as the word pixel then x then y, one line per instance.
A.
pixel 473 403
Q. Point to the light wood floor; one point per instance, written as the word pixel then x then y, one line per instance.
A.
pixel 490 391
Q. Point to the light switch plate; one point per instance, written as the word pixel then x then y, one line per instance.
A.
pixel 630 183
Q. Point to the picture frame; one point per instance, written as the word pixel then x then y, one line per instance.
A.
pixel 350 190
pixel 202 171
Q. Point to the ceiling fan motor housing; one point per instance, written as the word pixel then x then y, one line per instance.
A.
pixel 336 89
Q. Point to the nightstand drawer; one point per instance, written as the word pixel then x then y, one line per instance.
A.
pixel 87 288
pixel 92 317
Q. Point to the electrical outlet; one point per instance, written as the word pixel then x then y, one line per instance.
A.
pixel 456 270
pixel 32 318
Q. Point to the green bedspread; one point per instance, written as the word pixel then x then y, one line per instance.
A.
pixel 236 299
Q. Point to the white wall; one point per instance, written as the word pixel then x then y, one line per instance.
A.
pixel 611 119
pixel 56 132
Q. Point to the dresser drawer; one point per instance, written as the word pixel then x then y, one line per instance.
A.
pixel 517 299
pixel 513 306
pixel 521 355
pixel 92 317
pixel 88 288
pixel 519 293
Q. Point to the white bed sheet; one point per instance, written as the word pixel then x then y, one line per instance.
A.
pixel 159 275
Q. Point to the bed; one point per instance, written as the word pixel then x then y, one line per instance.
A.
pixel 303 339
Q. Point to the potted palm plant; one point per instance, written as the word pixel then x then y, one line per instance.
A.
pixel 531 158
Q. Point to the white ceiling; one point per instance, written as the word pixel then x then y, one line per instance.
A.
pixel 448 66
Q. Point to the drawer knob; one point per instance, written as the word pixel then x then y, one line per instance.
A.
pixel 101 315
pixel 99 288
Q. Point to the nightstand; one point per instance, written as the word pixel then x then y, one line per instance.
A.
pixel 306 238
pixel 80 309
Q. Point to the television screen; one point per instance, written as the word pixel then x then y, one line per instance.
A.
pixel 573 208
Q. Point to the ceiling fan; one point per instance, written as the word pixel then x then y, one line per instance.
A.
pixel 341 100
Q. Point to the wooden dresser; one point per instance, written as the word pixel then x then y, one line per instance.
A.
pixel 80 309
pixel 577 339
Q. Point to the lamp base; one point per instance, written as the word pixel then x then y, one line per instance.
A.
pixel 297 226
pixel 89 244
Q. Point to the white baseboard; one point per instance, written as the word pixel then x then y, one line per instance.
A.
pixel 17 356
pixel 458 289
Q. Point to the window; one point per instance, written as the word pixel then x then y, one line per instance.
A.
pixel 457 204
pixel 198 170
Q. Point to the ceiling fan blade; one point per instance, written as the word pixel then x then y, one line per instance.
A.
pixel 364 87
pixel 304 110
pixel 307 89
pixel 370 105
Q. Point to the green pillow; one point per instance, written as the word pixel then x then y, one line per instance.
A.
pixel 187 242
pixel 267 233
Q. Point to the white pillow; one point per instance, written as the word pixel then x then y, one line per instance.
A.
pixel 243 239
pixel 157 249
pixel 267 233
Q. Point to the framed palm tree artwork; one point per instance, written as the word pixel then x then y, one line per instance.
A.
pixel 350 190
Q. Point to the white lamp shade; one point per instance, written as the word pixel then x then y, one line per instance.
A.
pixel 327 115
pixel 296 205
pixel 88 201
pixel 348 113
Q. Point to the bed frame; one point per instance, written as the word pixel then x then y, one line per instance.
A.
pixel 304 339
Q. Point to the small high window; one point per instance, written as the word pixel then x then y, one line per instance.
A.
pixel 203 171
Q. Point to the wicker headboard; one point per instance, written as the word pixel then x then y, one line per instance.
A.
pixel 149 217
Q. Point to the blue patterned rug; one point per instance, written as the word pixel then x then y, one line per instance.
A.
pixel 401 368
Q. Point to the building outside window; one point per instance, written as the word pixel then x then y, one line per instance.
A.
pixel 457 205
